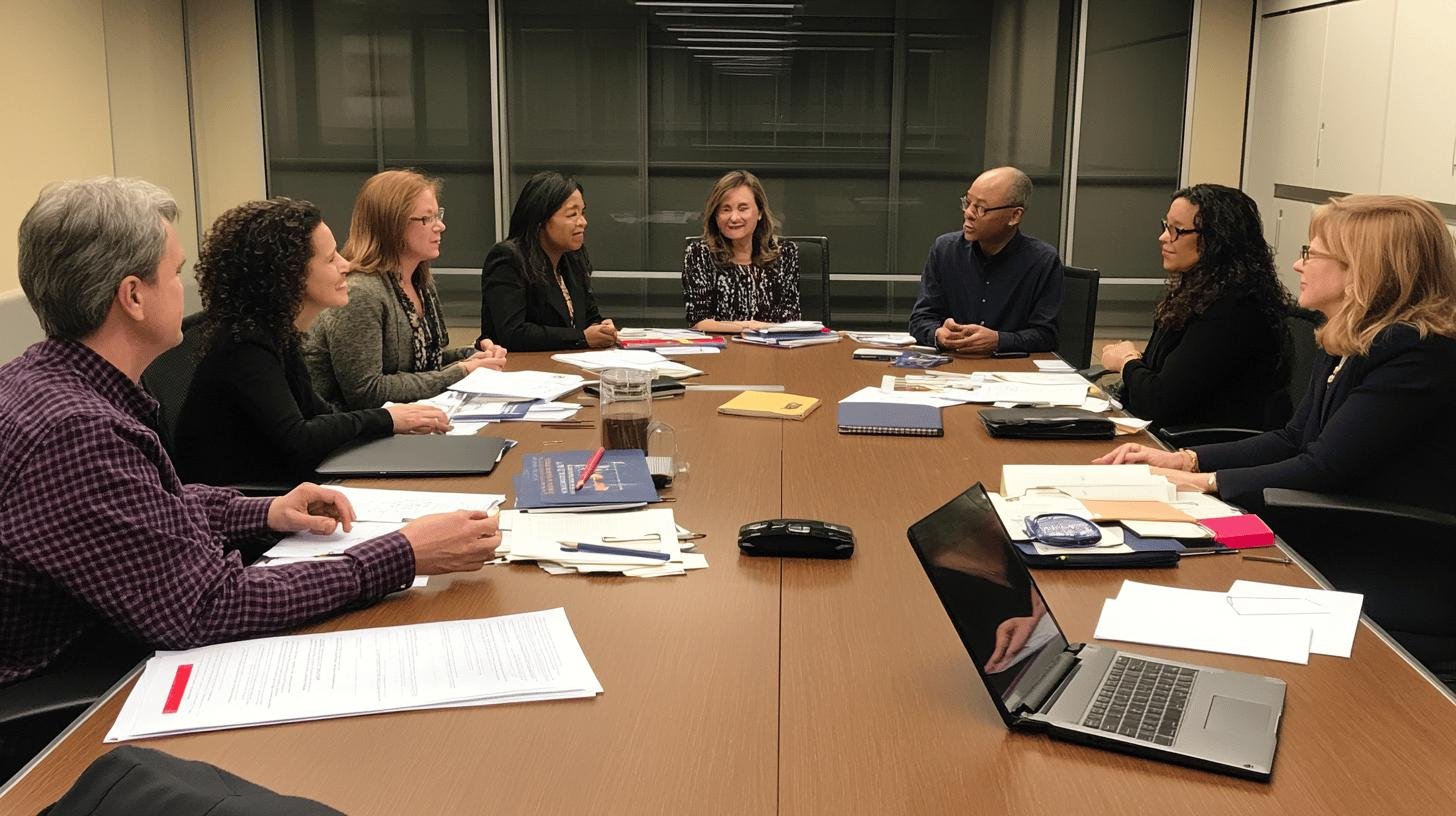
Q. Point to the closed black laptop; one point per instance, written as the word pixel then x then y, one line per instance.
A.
pixel 412 455
pixel 1208 718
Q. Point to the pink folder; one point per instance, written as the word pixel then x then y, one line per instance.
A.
pixel 1240 532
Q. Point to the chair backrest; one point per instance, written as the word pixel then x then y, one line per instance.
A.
pixel 169 376
pixel 1300 324
pixel 813 274
pixel 1078 317
pixel 1400 558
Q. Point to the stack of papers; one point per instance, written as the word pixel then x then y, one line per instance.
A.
pixel 792 334
pixel 1005 390
pixel 888 339
pixel 671 341
pixel 475 408
pixel 1154 519
pixel 1036 388
pixel 889 396
pixel 793 327
pixel 1252 619
pixel 470 412
pixel 376 512
pixel 507 659
pixel 518 385
pixel 1052 365
pixel 1109 482
pixel 640 359
pixel 538 537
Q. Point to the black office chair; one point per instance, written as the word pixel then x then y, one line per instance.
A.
pixel 169 377
pixel 1078 317
pixel 1401 558
pixel 1299 325
pixel 813 274
pixel 34 710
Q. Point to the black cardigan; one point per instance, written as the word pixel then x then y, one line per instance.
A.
pixel 524 314
pixel 251 415
pixel 1225 367
pixel 1382 430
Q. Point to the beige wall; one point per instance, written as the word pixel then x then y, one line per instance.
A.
pixel 227 104
pixel 101 88
pixel 1220 91
pixel 57 110
pixel 146 72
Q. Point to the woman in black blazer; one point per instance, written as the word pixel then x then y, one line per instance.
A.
pixel 1219 354
pixel 535 292
pixel 266 270
pixel 1376 420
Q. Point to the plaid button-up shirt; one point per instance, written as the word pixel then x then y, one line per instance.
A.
pixel 95 526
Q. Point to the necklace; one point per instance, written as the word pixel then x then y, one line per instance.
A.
pixel 1341 364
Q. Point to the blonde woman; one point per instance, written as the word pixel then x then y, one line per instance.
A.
pixel 739 275
pixel 389 344
pixel 1376 420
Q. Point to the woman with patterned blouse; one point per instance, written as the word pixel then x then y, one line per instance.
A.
pixel 740 275
pixel 389 343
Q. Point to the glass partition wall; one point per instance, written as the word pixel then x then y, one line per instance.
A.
pixel 866 120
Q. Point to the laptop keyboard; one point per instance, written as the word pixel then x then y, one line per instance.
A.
pixel 1142 699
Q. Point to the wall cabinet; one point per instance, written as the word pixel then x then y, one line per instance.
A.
pixel 1355 97
pixel 1354 88
pixel 1420 142
pixel 1321 84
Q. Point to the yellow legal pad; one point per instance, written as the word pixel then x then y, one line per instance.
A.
pixel 770 404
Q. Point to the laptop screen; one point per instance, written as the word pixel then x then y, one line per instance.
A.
pixel 989 595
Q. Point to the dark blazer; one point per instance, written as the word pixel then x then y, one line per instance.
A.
pixel 524 314
pixel 251 415
pixel 1224 367
pixel 1381 430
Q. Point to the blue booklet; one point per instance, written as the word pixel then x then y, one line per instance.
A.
pixel 548 480
pixel 890 419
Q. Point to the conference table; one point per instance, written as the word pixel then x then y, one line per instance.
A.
pixel 800 686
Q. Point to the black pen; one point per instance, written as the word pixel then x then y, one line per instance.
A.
pixel 1208 551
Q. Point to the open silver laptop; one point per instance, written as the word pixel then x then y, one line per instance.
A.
pixel 1208 718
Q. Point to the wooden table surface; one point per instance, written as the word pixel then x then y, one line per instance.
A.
pixel 799 686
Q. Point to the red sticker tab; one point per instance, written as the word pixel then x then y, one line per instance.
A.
pixel 179 685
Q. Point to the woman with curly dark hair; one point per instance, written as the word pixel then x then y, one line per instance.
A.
pixel 1219 354
pixel 266 271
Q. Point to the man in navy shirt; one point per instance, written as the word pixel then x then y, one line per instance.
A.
pixel 989 288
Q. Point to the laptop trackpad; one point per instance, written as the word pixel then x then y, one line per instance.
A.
pixel 1230 715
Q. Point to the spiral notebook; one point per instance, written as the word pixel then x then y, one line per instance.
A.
pixel 890 419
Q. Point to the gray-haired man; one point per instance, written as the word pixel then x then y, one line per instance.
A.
pixel 97 533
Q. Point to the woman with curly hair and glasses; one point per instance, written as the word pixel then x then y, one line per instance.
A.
pixel 1219 353
pixel 266 270
pixel 739 275
pixel 1376 420
pixel 390 344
